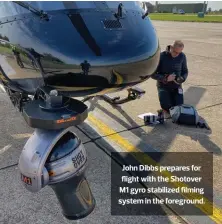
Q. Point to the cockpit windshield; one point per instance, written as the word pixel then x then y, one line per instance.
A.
pixel 10 8
pixel 59 5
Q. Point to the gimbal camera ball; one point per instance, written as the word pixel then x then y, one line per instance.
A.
pixel 58 159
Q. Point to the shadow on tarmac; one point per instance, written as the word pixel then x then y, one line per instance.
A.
pixel 138 131
pixel 199 135
pixel 196 134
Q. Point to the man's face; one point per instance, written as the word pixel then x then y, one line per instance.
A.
pixel 175 51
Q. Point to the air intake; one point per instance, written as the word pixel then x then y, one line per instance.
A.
pixel 112 24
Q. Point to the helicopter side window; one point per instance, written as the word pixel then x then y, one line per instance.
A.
pixel 54 5
pixel 47 5
pixel 59 5
pixel 11 9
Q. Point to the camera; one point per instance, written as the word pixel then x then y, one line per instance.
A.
pixel 179 79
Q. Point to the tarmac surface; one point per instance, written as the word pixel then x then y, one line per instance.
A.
pixel 109 129
pixel 18 206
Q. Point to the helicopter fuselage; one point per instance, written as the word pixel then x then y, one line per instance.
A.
pixel 79 51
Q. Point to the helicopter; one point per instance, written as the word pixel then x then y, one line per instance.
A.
pixel 75 48
pixel 52 53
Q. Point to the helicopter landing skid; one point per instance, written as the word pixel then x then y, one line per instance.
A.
pixel 133 94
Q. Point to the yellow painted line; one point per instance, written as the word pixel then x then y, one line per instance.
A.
pixel 74 88
pixel 2 88
pixel 144 159
pixel 2 77
pixel 20 136
pixel 118 81
pixel 4 149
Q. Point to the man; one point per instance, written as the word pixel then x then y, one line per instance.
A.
pixel 171 72
pixel 17 57
pixel 85 67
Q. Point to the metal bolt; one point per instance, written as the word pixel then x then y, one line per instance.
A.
pixel 53 93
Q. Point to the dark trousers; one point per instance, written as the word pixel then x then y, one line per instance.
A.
pixel 169 98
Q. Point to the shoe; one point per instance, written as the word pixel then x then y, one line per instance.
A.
pixel 166 114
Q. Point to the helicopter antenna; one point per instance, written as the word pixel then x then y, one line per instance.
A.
pixel 119 14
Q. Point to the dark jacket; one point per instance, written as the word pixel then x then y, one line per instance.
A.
pixel 169 65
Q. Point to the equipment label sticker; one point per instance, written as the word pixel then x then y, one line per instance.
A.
pixel 26 180
pixel 78 160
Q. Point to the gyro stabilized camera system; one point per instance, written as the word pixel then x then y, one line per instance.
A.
pixel 54 155
pixel 58 159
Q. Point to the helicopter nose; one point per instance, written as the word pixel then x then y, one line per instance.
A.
pixel 132 38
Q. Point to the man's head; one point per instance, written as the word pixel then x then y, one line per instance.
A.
pixel 176 48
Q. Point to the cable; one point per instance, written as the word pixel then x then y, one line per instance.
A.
pixel 214 105
pixel 117 132
pixel 214 85
pixel 6 167
pixel 207 85
pixel 130 173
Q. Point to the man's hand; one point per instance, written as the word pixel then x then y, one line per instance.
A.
pixel 171 78
pixel 179 80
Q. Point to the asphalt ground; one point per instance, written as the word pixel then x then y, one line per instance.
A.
pixel 202 89
pixel 18 206
pixel 110 129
